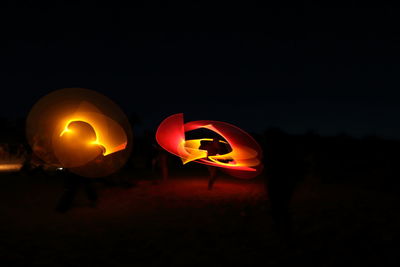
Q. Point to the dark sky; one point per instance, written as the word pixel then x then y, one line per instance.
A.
pixel 299 68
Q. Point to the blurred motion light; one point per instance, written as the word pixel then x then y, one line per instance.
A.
pixel 242 161
pixel 81 130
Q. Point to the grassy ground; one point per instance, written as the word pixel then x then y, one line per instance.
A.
pixel 180 222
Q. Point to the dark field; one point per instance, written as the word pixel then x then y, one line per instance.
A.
pixel 180 222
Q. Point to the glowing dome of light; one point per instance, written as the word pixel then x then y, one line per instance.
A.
pixel 81 130
pixel 242 161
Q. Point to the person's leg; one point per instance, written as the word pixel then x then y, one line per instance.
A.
pixel 213 177
pixel 154 162
pixel 90 191
pixel 164 168
pixel 71 185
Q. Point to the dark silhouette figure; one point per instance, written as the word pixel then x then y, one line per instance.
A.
pixel 159 162
pixel 32 164
pixel 213 176
pixel 285 169
pixel 215 147
pixel 82 137
pixel 72 183
pixel 21 152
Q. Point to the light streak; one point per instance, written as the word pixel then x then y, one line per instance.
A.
pixel 243 161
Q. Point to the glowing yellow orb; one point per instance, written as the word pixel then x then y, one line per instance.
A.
pixel 81 130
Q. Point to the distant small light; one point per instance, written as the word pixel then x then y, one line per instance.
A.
pixel 60 169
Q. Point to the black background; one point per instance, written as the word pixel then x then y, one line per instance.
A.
pixel 300 67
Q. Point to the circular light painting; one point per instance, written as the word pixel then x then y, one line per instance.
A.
pixel 81 130
pixel 235 151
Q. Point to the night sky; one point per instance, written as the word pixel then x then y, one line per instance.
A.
pixel 257 69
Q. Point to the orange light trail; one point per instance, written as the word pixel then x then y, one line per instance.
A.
pixel 80 130
pixel 109 148
pixel 243 161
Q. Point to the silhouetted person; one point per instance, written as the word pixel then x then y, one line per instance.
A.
pixel 79 144
pixel 72 183
pixel 285 169
pixel 159 161
pixel 21 152
pixel 32 164
pixel 215 147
